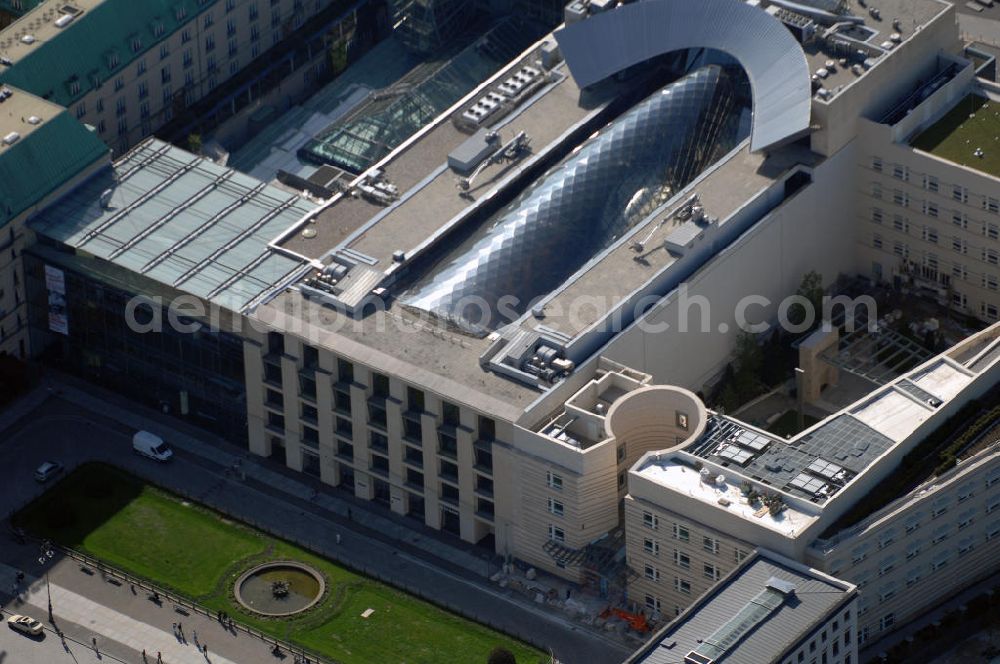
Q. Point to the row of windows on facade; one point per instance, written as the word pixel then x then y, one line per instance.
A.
pixel 931 184
pixel 914 523
pixel 929 266
pixel 379 392
pixel 114 59
pixel 989 230
pixel 413 479
pixel 681 533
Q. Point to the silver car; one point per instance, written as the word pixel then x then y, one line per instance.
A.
pixel 48 470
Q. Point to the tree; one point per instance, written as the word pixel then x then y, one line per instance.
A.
pixel 811 288
pixel 501 656
pixel 749 362
pixel 194 143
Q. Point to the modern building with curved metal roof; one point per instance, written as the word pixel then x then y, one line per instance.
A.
pixel 614 181
pixel 607 43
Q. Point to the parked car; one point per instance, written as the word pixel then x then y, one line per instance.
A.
pixel 25 625
pixel 150 445
pixel 48 470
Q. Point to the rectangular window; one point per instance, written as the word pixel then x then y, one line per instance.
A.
pixel 556 507
pixel 555 481
pixel 652 603
pixel 652 573
pixel 651 546
pixel 682 586
pixel 930 183
pixel 556 534
pixel 682 559
pixel 650 520
pixel 900 172
pixel 991 204
pixel 960 194
pixel 931 209
pixel 877 215
pixel 681 533
pixel 710 544
pixel 900 224
pixel 900 198
pixel 877 164
pixel 711 572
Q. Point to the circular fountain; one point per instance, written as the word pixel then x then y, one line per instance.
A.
pixel 279 588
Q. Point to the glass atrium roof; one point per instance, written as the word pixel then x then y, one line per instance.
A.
pixel 374 129
pixel 183 221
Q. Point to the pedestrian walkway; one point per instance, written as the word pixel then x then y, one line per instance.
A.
pixel 375 544
pixel 117 626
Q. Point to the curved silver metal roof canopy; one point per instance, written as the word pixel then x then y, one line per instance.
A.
pixel 607 43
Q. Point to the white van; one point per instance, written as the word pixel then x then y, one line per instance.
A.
pixel 152 446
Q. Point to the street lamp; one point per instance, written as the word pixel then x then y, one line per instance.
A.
pixel 45 554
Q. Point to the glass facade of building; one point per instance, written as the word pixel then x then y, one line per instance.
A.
pixel 194 375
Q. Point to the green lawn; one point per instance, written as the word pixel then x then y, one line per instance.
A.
pixel 956 136
pixel 148 532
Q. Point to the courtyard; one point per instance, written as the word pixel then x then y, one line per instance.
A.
pixel 107 514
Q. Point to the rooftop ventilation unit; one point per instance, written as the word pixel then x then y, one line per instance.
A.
pixel 28 39
pixel 34 120
pixel 11 138
pixel 64 20
pixel 106 198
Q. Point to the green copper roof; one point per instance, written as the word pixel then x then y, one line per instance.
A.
pixel 38 164
pixel 79 57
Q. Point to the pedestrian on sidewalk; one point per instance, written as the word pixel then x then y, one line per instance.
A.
pixel 338 538
pixel 195 636
pixel 143 656
pixel 159 657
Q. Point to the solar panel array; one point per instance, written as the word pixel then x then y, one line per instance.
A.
pixel 814 466
pixel 828 470
pixel 921 395
pixel 809 484
pixel 734 453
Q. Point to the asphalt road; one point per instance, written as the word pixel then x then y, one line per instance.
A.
pixel 63 431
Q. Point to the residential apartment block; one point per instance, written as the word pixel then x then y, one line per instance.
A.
pixel 769 609
pixel 127 68
pixel 43 154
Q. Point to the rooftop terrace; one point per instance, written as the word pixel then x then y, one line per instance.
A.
pixel 969 134
pixel 820 462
